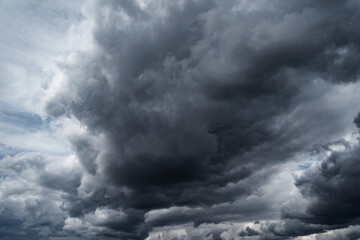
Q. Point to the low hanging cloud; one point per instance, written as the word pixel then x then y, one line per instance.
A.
pixel 190 108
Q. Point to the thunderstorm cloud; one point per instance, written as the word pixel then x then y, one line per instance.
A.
pixel 191 119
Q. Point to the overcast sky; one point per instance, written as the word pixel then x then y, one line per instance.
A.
pixel 179 120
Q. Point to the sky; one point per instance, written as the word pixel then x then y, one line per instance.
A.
pixel 179 120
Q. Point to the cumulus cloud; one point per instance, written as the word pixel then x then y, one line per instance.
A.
pixel 189 111
pixel 332 186
pixel 329 186
pixel 31 206
pixel 190 98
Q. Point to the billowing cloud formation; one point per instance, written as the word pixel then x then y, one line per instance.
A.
pixel 190 106
pixel 332 187
pixel 31 203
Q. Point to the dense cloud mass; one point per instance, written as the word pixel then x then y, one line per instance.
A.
pixel 30 208
pixel 338 177
pixel 190 109
pixel 191 99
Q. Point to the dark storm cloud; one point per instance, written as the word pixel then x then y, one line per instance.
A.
pixel 351 233
pixel 357 120
pixel 289 229
pixel 333 185
pixel 293 228
pixel 331 189
pixel 191 98
pixel 249 232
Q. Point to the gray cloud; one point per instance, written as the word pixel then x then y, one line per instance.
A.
pixel 357 120
pixel 189 108
pixel 249 232
pixel 330 190
pixel 28 208
pixel 333 186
